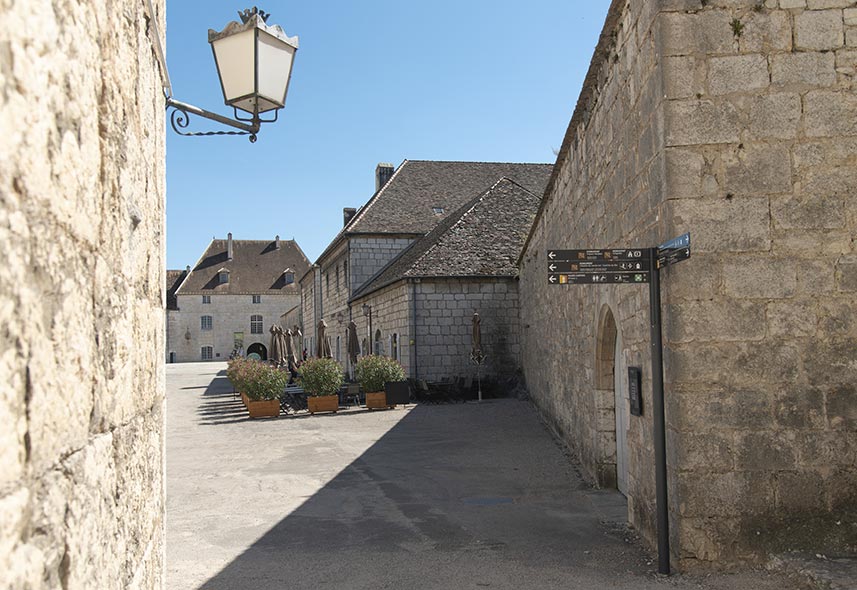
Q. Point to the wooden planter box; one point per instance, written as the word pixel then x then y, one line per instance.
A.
pixel 264 409
pixel 322 403
pixel 244 399
pixel 377 400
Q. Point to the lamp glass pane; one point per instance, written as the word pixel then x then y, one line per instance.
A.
pixel 275 67
pixel 235 63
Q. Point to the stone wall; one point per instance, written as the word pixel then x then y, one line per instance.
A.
pixel 605 192
pixel 82 297
pixel 308 308
pixel 733 120
pixel 230 314
pixel 444 327
pixel 391 314
pixel 368 255
pixel 761 147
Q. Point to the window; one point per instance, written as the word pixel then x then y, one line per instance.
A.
pixel 206 298
pixel 257 299
pixel 345 272
pixel 289 277
pixel 338 355
pixel 327 282
pixel 255 324
pixel 437 210
pixel 394 346
pixel 223 276
pixel 337 277
pixel 207 353
pixel 379 346
pixel 205 322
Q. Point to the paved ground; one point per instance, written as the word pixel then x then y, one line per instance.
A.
pixel 431 497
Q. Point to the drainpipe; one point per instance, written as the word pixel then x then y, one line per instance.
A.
pixel 414 329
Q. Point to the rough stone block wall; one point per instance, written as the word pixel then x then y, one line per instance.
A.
pixel 230 314
pixel 308 307
pixel 733 120
pixel 444 316
pixel 369 255
pixel 761 147
pixel 605 193
pixel 391 313
pixel 82 296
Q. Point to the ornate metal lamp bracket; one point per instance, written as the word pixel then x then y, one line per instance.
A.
pixel 180 120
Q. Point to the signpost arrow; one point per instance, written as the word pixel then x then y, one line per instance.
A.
pixel 552 267
pixel 551 255
pixel 552 279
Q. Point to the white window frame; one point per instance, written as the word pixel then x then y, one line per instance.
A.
pixel 209 350
pixel 260 323
pixel 202 323
pixel 256 299
pixel 206 299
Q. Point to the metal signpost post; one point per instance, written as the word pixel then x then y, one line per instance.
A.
pixel 634 266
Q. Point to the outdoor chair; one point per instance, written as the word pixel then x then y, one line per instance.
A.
pixel 351 394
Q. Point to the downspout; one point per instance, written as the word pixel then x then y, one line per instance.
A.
pixel 414 328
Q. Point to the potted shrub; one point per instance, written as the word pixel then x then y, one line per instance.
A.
pixel 236 372
pixel 264 384
pixel 321 379
pixel 372 373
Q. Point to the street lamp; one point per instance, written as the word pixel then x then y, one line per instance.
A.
pixel 254 63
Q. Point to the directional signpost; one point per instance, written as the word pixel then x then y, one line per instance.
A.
pixel 633 266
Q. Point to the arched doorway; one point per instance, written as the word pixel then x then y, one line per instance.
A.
pixel 610 376
pixel 258 349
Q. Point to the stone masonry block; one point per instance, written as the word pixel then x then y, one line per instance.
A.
pixel 827 448
pixel 758 169
pixel 800 491
pixel 803 69
pixel 705 407
pixel 792 4
pixel 832 362
pixel 765 451
pixel 846 274
pixel 704 452
pixel 680 77
pixel 819 30
pixel 798 407
pixel 792 319
pixel 721 321
pixel 776 116
pixel 838 316
pixel 708 32
pixel 723 225
pixel 842 407
pixel 823 4
pixel 759 278
pixel 700 122
pixel 841 486
pixel 684 169
pixel 830 114
pixel 737 73
pixel 724 494
pixel 808 212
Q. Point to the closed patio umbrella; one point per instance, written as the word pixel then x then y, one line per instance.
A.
pixel 353 342
pixel 476 354
pixel 298 343
pixel 275 354
pixel 323 346
pixel 290 349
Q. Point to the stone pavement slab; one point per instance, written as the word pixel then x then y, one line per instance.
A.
pixel 429 497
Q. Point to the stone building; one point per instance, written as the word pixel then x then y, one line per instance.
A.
pixel 423 302
pixel 231 298
pixel 174 280
pixel 82 296
pixel 736 122
pixel 409 203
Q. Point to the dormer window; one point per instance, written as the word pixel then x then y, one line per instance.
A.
pixel 222 276
pixel 437 210
pixel 288 276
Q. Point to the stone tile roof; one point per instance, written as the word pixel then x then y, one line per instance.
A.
pixel 256 268
pixel 481 239
pixel 405 205
pixel 174 279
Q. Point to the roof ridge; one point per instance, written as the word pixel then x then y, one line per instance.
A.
pixel 482 162
pixel 362 210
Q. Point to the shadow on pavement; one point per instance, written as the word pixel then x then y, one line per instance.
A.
pixel 450 497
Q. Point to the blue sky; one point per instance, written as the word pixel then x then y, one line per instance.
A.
pixel 373 81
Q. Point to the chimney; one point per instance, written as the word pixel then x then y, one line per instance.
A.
pixel 229 246
pixel 348 214
pixel 383 173
pixel 187 269
pixel 276 242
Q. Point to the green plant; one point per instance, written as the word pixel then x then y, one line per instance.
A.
pixel 262 381
pixel 321 376
pixel 737 27
pixel 238 371
pixel 374 371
